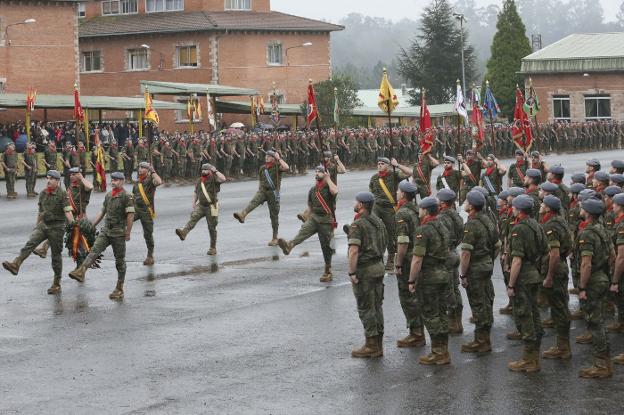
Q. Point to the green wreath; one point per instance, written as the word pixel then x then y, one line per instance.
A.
pixel 90 234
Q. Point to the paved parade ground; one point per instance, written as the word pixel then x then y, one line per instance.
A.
pixel 251 331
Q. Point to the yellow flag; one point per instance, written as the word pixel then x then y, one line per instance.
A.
pixel 387 99
pixel 150 112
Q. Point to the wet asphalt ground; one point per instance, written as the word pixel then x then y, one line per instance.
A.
pixel 250 331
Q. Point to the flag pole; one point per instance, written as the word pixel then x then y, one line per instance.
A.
pixel 487 88
pixel 537 129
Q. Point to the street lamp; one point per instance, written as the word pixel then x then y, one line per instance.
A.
pixel 6 30
pixel 303 45
pixel 162 57
pixel 462 19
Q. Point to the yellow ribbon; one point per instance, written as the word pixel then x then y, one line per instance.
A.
pixel 387 192
pixel 146 200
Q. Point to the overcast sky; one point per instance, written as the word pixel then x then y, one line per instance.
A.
pixel 333 10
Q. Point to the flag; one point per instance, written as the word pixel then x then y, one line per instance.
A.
pixel 261 104
pixel 387 99
pixel 275 113
pixel 336 108
pixel 521 130
pixel 190 109
pixel 150 112
pixel 78 111
pixel 531 105
pixel 476 118
pixel 31 97
pixel 426 132
pixel 460 106
pixel 490 106
pixel 253 109
pixel 198 107
pixel 312 111
pixel 210 112
pixel 100 162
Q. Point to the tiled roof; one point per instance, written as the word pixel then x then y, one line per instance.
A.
pixel 200 21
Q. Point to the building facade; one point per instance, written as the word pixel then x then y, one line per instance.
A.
pixel 579 78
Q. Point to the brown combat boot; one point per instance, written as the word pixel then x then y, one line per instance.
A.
pixel 13 266
pixel 370 349
pixel 212 251
pixel 181 233
pixel 274 240
pixel 240 216
pixel 327 274
pixel 514 335
pixel 548 323
pixel 480 344
pixel 118 293
pixel 619 359
pixel 616 327
pixel 439 353
pixel 560 351
pixel 416 338
pixel 286 246
pixel 507 310
pixel 585 338
pixel 577 315
pixel 149 260
pixel 601 369
pixel 79 273
pixel 455 322
pixel 529 362
pixel 42 251
pixel 56 286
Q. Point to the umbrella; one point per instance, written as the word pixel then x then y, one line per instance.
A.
pixel 237 125
pixel 235 131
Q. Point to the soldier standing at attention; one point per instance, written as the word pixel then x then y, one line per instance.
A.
pixel 270 180
pixel 429 277
pixel 367 243
pixel 113 156
pixel 206 204
pixel 480 245
pixel 30 169
pixel 9 164
pixel 449 178
pixel 528 244
pixel 50 156
pixel 591 167
pixel 616 288
pixel 321 220
pixel 532 182
pixel 54 213
pixel 143 192
pixel 406 223
pixel 118 209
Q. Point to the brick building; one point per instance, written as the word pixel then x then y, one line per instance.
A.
pixel 579 78
pixel 240 43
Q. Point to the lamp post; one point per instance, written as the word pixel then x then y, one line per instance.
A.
pixel 6 30
pixel 162 57
pixel 303 45
pixel 462 19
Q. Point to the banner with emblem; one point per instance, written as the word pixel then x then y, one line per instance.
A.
pixel 426 132
pixel 150 112
pixel 476 119
pixel 521 129
pixel 275 112
pixel 312 111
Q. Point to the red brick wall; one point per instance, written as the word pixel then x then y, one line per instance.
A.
pixel 94 7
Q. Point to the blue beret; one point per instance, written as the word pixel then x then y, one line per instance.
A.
pixel 619 199
pixel 612 191
pixel 117 175
pixel 593 206
pixel 451 159
pixel 446 195
pixel 320 168
pixel 383 160
pixel 593 163
pixel 601 176
pixel 482 189
pixel 516 191
pixel 365 197
pixel 534 173
pixel 144 165
pixel 408 187
pixel 617 164
pixel 503 195
pixel 552 202
pixel 74 170
pixel 54 174
pixel 586 194
pixel 558 169
pixel 475 198
pixel 578 178
pixel 523 202
pixel 549 187
pixel 270 153
pixel 577 188
pixel 617 178
pixel 428 202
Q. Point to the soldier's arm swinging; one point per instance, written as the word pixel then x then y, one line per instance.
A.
pixel 129 222
pixel 70 216
pixel 98 218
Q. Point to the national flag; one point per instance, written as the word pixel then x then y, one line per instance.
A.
pixel 490 106
pixel 521 129
pixel 387 99
pixel 531 105
pixel 312 110
pixel 275 113
pixel 478 130
pixel 31 97
pixel 190 109
pixel 261 104
pixel 460 106
pixel 78 111
pixel 210 112
pixel 100 162
pixel 150 112
pixel 426 132
pixel 198 107
pixel 336 108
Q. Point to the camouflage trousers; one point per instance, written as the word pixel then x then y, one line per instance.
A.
pixel 128 169
pixel 558 298
pixel 369 294
pixel 147 223
pixel 31 180
pixel 166 169
pixel 453 299
pixel 480 292
pixel 267 196
pixel 388 217
pixel 54 234
pixel 200 212
pixel 595 309
pixel 118 243
pixel 410 303
pixel 9 177
pixel 433 306
pixel 526 314
pixel 321 226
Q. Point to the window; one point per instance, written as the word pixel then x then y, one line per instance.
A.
pixel 81 10
pixel 561 107
pixel 137 59
pixel 237 4
pixel 91 61
pixel 2 85
pixel 275 54
pixel 153 6
pixel 187 56
pixel 112 7
pixel 597 107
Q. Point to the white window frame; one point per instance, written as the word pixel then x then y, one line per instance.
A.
pixel 270 53
pixel 176 6
pixel 131 52
pixel 181 115
pixel 83 66
pixel 597 98
pixel 3 82
pixel 177 56
pixel 558 99
pixel 81 10
pixel 238 5
pixel 120 4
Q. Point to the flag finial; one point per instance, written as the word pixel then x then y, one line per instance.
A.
pixel 458 81
pixel 487 83
pixel 310 81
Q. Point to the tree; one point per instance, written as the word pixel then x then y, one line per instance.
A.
pixel 510 45
pixel 620 15
pixel 347 97
pixel 433 60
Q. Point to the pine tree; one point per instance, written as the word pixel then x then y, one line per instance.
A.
pixel 509 46
pixel 433 60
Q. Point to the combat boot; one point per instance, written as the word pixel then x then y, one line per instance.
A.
pixel 548 323
pixel 370 349
pixel 577 315
pixel 514 335
pixel 212 251
pixel 481 343
pixel 274 241
pixel 42 251
pixel 286 246
pixel 455 322
pixel 414 339
pixel 56 286
pixel 240 216
pixel 619 359
pixel 327 274
pixel 616 327
pixel 529 363
pixel 390 263
pixel 507 310
pixel 439 353
pixel 149 260
pixel 585 338
pixel 181 233
pixel 601 369
pixel 79 273
pixel 560 351
pixel 118 293
pixel 14 266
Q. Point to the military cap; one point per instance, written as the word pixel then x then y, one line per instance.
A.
pixel 617 164
pixel 557 169
pixel 601 176
pixel 469 152
pixel 519 152
pixel 534 173
pixel 144 165
pixel 617 178
pixel 428 202
pixel 577 188
pixel 327 153
pixel 578 178
pixel 523 202
pixel 117 176
pixel 586 194
pixel 451 159
pixel 207 166
pixel 446 195
pixel 482 189
pixel 365 197
pixel 549 187
pixel 270 153
pixel 503 195
pixel 516 191
pixel 593 163
pixel 491 156
pixel 320 168
pixel 475 198
pixel 53 174
pixel 408 187
pixel 593 206
pixel 552 202
pixel 619 199
pixel 74 170
pixel 383 160
pixel 535 153
pixel 612 191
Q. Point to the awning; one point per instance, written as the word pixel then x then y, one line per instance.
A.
pixel 88 102
pixel 238 107
pixel 437 111
pixel 176 88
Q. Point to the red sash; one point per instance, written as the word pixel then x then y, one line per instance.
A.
pixel 326 208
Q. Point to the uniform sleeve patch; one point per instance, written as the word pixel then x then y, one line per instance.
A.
pixel 581 241
pixel 514 235
pixel 549 233
pixel 419 236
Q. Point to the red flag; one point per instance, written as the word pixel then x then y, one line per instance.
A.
pixel 521 130
pixel 78 111
pixel 31 97
pixel 476 118
pixel 312 108
pixel 426 132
